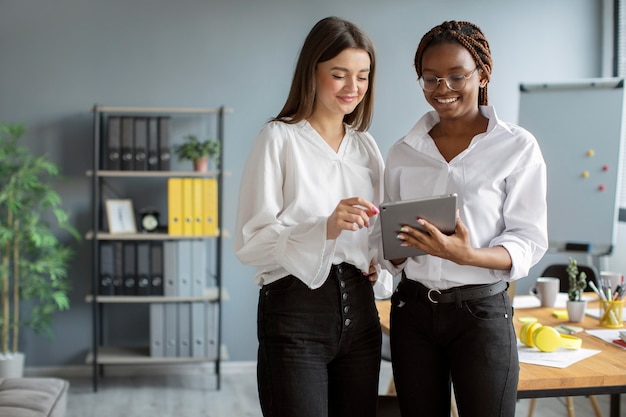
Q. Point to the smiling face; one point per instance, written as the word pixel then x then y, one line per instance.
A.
pixel 452 59
pixel 341 83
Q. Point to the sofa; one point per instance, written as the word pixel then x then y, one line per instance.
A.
pixel 33 397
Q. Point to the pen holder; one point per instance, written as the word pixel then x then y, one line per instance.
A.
pixel 611 313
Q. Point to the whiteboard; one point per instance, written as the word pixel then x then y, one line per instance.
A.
pixel 579 127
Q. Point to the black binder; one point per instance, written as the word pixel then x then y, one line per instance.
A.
pixel 165 127
pixel 143 268
pixel 128 146
pixel 130 271
pixel 141 144
pixel 156 268
pixel 153 144
pixel 105 284
pixel 112 144
pixel 118 268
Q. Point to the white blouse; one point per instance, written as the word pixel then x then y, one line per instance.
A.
pixel 500 180
pixel 291 184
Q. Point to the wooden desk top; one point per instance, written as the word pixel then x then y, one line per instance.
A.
pixel 600 371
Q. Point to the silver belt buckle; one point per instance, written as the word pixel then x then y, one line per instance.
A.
pixel 430 298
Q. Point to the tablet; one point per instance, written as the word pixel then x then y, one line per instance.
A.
pixel 439 210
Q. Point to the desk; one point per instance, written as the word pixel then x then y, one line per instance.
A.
pixel 601 374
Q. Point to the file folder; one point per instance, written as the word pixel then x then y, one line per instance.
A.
pixel 171 330
pixel 157 329
pixel 105 282
pixel 187 206
pixel 164 143
pixel 210 206
pixel 170 268
pixel 156 268
pixel 198 349
pixel 199 267
pixel 212 317
pixel 184 330
pixel 153 144
pixel 128 145
pixel 141 144
pixel 184 268
pixel 112 145
pixel 118 268
pixel 130 272
pixel 175 206
pixel 198 202
pixel 143 268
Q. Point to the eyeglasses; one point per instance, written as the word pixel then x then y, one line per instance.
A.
pixel 455 82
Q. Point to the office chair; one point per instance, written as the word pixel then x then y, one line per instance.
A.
pixel 559 271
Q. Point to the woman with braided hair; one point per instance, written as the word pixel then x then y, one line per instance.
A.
pixel 451 318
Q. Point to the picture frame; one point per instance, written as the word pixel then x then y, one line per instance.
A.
pixel 121 216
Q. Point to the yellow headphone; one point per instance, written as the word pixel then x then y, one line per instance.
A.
pixel 546 338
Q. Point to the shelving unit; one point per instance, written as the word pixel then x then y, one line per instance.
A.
pixel 103 179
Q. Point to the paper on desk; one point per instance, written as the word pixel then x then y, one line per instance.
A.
pixel 560 358
pixel 530 301
pixel 608 335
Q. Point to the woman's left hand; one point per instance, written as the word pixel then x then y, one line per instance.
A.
pixel 372 274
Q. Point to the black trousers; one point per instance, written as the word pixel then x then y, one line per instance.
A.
pixel 471 344
pixel 319 350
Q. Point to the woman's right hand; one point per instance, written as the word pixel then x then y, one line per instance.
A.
pixel 350 214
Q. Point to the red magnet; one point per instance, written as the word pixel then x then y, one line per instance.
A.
pixel 605 167
pixel 601 187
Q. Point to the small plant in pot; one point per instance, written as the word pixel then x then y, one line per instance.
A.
pixel 33 262
pixel 197 151
pixel 576 306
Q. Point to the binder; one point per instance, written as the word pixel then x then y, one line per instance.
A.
pixel 210 206
pixel 153 144
pixel 156 268
pixel 157 329
pixel 118 268
pixel 170 268
pixel 105 282
pixel 171 330
pixel 130 269
pixel 128 146
pixel 112 144
pixel 184 329
pixel 198 349
pixel 212 317
pixel 184 267
pixel 187 206
pixel 164 143
pixel 141 144
pixel 197 206
pixel 143 268
pixel 175 206
pixel 199 268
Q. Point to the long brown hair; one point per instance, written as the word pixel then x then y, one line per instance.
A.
pixel 327 39
pixel 470 37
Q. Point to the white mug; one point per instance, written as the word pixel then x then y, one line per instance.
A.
pixel 546 289
pixel 610 278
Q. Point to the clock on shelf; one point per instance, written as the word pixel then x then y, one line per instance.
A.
pixel 149 220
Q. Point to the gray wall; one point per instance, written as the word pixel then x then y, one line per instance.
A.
pixel 60 57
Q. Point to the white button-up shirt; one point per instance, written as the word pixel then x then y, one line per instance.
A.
pixel 291 184
pixel 500 180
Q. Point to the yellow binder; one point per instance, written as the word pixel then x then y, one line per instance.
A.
pixel 187 206
pixel 175 206
pixel 210 206
pixel 197 207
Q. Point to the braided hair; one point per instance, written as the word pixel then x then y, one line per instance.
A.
pixel 467 35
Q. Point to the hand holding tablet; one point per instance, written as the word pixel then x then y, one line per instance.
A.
pixel 437 210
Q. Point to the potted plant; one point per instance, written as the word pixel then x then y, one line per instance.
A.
pixel 576 306
pixel 33 262
pixel 199 152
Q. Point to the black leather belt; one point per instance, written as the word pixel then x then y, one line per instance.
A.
pixel 457 294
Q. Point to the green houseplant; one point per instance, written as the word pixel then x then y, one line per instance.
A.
pixel 576 306
pixel 197 151
pixel 33 262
